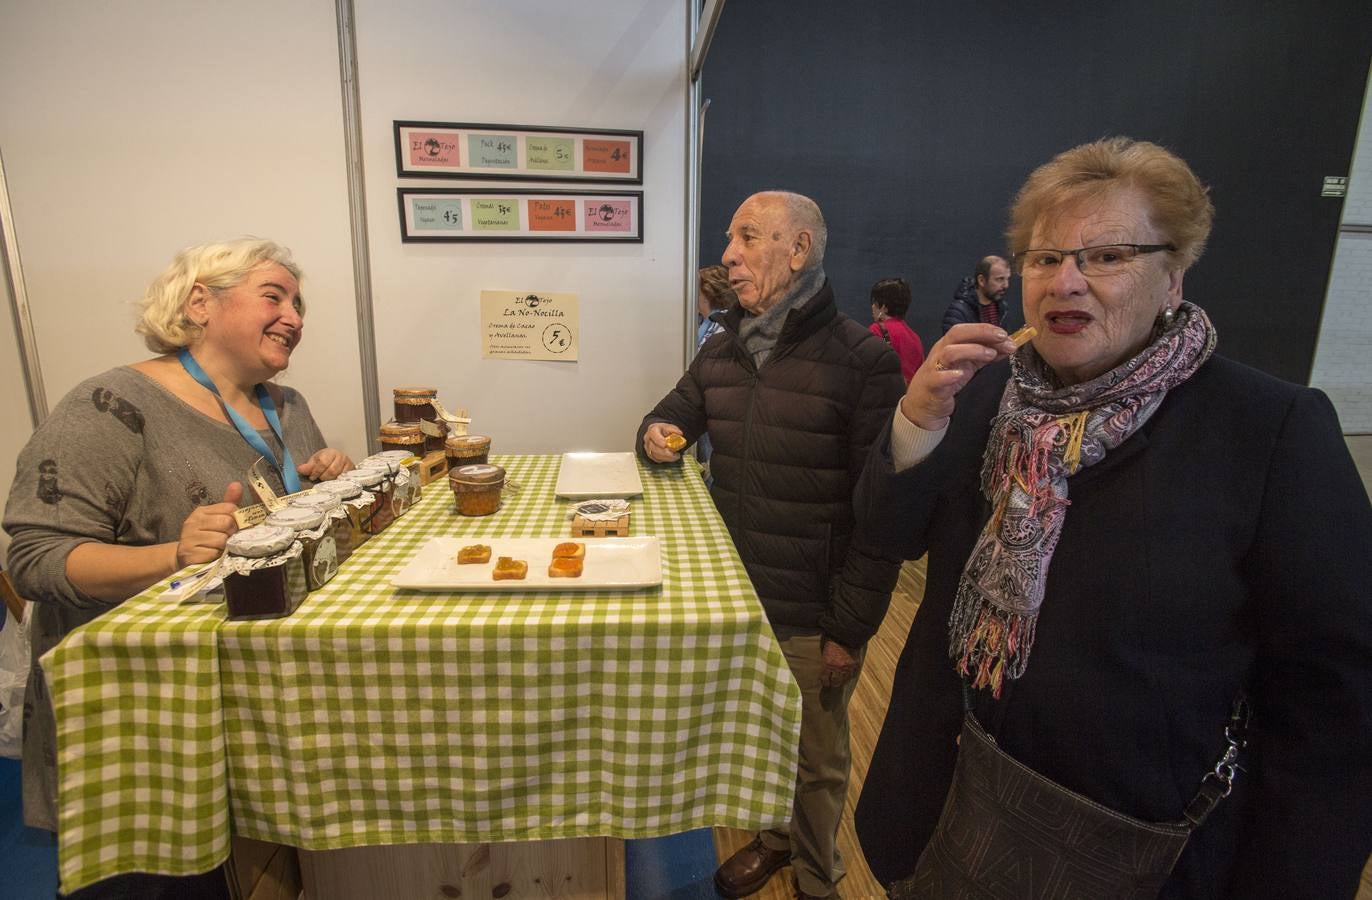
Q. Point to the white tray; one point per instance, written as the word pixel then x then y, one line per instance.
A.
pixel 619 564
pixel 586 475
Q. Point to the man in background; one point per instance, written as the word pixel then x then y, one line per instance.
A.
pixel 981 296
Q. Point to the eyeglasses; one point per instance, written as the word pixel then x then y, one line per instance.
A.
pixel 1107 259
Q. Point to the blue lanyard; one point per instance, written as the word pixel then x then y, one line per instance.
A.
pixel 289 477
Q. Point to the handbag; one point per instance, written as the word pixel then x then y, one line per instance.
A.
pixel 1008 832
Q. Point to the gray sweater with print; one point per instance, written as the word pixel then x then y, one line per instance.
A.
pixel 121 460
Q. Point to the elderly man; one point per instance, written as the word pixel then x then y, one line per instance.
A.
pixel 981 297
pixel 792 401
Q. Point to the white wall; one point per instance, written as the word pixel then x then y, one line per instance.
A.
pixel 1343 353
pixel 14 401
pixel 608 64
pixel 130 130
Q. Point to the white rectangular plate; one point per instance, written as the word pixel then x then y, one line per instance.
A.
pixel 586 475
pixel 616 564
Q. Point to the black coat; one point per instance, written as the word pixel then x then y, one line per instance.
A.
pixel 1223 544
pixel 964 306
pixel 790 439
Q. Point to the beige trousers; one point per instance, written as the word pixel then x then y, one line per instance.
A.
pixel 812 835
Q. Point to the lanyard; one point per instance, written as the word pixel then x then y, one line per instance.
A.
pixel 289 478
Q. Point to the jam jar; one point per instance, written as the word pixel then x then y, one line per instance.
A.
pixel 382 511
pixel 406 461
pixel 467 450
pixel 267 591
pixel 319 553
pixel 412 404
pixel 435 432
pixel 477 488
pixel 344 530
pixel 348 493
pixel 402 436
pixel 398 476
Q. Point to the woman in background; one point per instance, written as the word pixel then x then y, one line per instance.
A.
pixel 137 473
pixel 890 302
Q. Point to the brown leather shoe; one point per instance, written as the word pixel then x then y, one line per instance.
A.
pixel 749 869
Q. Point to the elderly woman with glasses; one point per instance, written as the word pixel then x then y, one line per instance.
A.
pixel 1143 662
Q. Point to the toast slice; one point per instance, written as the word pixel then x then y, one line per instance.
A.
pixel 674 442
pixel 508 569
pixel 569 550
pixel 565 567
pixel 474 553
pixel 1024 335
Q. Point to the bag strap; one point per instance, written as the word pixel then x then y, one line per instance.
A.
pixel 1216 784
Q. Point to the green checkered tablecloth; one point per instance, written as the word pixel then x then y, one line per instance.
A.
pixel 375 715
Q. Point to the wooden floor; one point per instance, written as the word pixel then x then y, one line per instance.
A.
pixel 865 714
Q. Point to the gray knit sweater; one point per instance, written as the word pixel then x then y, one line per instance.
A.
pixel 121 460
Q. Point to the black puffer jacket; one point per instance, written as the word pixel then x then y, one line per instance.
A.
pixel 964 307
pixel 790 439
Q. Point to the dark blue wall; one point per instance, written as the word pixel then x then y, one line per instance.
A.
pixel 913 123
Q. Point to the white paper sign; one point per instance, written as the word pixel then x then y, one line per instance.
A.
pixel 526 325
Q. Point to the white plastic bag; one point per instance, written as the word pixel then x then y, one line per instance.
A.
pixel 14 675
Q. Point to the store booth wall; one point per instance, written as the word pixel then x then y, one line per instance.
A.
pixel 130 131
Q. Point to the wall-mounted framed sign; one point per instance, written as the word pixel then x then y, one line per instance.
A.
pixel 522 152
pixel 490 214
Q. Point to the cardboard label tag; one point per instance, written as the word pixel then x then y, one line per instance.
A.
pixel 262 489
pixel 432 429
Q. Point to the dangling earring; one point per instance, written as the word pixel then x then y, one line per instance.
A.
pixel 1168 314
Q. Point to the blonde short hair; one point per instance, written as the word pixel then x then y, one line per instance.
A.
pixel 218 266
pixel 714 286
pixel 1179 204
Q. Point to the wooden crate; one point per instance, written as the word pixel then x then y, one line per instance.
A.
pixel 435 465
pixel 583 527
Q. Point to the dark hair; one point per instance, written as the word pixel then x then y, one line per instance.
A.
pixel 714 287
pixel 893 294
pixel 983 269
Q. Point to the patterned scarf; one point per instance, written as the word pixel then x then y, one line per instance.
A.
pixel 1043 434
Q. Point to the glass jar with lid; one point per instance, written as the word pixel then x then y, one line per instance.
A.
pixel 408 461
pixel 341 525
pixel 476 488
pixel 350 495
pixel 318 549
pixel 467 450
pixel 382 489
pixel 413 403
pixel 402 436
pixel 402 497
pixel 267 581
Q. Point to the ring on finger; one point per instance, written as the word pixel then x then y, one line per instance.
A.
pixel 939 366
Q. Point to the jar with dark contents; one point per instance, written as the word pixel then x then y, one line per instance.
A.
pixel 477 488
pixel 320 554
pixel 402 436
pixel 347 493
pixel 435 432
pixel 402 498
pixel 467 450
pixel 341 526
pixel 382 511
pixel 267 591
pixel 407 461
pixel 413 404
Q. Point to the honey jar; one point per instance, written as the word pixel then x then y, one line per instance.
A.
pixel 467 450
pixel 382 510
pixel 435 433
pixel 318 549
pixel 349 494
pixel 402 436
pixel 345 528
pixel 268 589
pixel 477 488
pixel 412 404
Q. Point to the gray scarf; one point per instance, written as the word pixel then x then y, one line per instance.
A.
pixel 759 333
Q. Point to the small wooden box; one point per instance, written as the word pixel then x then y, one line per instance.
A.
pixel 433 465
pixel 583 527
